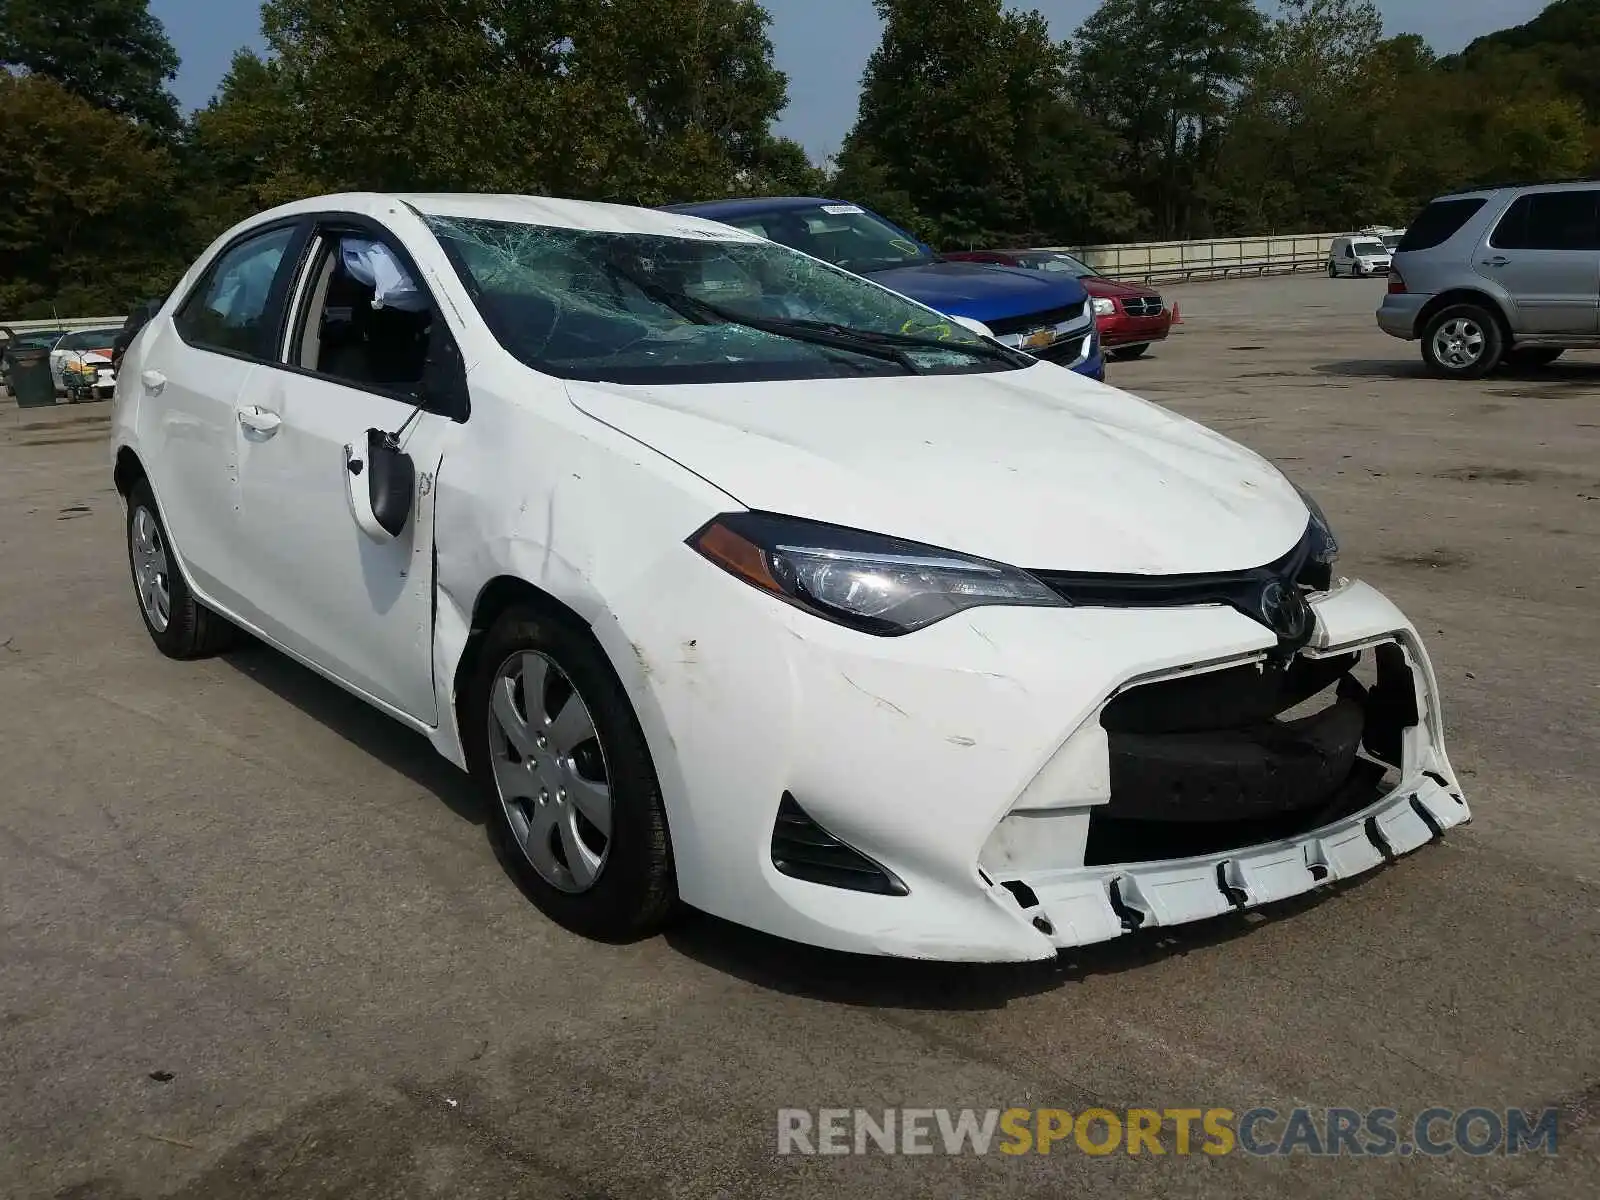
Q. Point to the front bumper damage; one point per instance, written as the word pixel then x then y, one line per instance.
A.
pixel 971 764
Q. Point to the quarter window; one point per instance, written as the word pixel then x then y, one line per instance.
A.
pixel 1550 221
pixel 229 310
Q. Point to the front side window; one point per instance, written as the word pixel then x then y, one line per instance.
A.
pixel 846 235
pixel 366 321
pixel 640 308
pixel 228 310
pixel 1550 221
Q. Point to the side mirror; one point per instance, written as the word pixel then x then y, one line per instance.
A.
pixel 977 327
pixel 381 483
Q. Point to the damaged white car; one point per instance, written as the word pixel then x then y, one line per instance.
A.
pixel 742 581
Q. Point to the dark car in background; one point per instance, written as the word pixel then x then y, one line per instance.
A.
pixel 1046 314
pixel 1130 316
pixel 33 339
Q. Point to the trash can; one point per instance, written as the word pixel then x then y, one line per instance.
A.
pixel 30 376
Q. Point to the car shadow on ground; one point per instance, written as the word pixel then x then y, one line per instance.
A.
pixel 1549 382
pixel 363 726
pixel 865 981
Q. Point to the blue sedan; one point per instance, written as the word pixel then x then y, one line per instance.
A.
pixel 1047 315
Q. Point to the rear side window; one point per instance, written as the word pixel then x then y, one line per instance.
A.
pixel 1550 221
pixel 1439 222
pixel 228 310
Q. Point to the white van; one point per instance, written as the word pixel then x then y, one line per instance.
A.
pixel 1359 255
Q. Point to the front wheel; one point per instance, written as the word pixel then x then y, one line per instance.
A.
pixel 179 625
pixel 1128 353
pixel 1463 341
pixel 575 806
pixel 1333 271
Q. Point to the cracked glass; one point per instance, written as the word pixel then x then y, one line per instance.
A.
pixel 647 308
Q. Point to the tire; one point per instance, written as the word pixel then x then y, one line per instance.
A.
pixel 1464 341
pixel 1129 353
pixel 1333 270
pixel 615 884
pixel 187 628
pixel 1532 357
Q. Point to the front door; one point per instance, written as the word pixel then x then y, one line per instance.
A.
pixel 1545 253
pixel 358 608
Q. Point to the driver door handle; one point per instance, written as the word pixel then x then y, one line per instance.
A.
pixel 1499 260
pixel 260 420
pixel 153 380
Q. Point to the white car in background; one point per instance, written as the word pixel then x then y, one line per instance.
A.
pixel 737 579
pixel 1358 257
pixel 81 361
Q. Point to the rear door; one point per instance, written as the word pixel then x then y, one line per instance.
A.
pixel 191 374
pixel 1545 252
pixel 353 359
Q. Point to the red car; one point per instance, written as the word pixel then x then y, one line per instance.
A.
pixel 1129 315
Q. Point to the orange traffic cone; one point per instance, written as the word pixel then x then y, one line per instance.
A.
pixel 1177 317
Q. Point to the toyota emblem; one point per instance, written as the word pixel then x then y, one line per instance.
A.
pixel 1284 609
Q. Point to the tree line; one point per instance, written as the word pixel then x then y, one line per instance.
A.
pixel 1157 119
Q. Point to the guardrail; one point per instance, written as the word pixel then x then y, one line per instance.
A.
pixel 71 323
pixel 1219 258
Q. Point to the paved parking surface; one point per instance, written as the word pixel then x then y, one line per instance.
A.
pixel 253 942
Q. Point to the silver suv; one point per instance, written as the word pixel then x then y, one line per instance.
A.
pixel 1499 276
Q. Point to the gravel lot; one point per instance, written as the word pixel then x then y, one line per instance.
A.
pixel 253 942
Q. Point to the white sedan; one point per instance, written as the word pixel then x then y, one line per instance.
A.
pixel 739 580
pixel 81 361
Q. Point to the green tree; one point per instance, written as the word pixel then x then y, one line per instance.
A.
pixel 638 100
pixel 112 53
pixel 964 132
pixel 87 194
pixel 1162 76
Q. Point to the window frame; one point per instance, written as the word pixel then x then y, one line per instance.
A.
pixel 320 228
pixel 1530 198
pixel 288 268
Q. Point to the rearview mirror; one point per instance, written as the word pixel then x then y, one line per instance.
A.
pixel 381 483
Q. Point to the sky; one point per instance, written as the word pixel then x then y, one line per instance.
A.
pixel 821 44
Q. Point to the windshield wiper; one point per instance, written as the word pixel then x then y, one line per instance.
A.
pixel 980 349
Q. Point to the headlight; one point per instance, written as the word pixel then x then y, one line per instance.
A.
pixel 1324 545
pixel 879 585
pixel 1104 306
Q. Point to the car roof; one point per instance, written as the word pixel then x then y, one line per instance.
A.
pixel 531 210
pixel 1493 189
pixel 747 205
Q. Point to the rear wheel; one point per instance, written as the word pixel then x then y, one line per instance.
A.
pixel 1128 353
pixel 1532 356
pixel 179 625
pixel 575 806
pixel 1463 341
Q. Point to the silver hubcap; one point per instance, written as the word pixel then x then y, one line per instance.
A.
pixel 550 771
pixel 1459 343
pixel 150 569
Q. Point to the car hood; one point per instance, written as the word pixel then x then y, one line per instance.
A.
pixel 1099 285
pixel 982 291
pixel 1038 467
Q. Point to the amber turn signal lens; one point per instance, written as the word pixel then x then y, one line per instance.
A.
pixel 736 555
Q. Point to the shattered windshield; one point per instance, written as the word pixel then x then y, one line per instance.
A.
pixel 645 308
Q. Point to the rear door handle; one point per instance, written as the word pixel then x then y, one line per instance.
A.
pixel 153 380
pixel 1499 260
pixel 260 420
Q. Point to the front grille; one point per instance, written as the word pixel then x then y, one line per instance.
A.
pixel 1249 754
pixel 1271 594
pixel 802 849
pixel 1067 351
pixel 1028 322
pixel 1143 306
